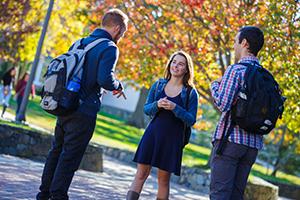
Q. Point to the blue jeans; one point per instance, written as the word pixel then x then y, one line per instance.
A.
pixel 72 135
pixel 230 171
pixel 4 99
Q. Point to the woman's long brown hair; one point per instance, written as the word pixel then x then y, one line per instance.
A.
pixel 188 79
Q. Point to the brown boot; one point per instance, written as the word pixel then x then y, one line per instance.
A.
pixel 132 195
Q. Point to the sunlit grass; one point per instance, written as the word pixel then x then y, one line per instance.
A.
pixel 116 133
pixel 195 155
pixel 263 172
pixel 35 115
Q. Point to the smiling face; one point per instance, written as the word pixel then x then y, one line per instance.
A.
pixel 178 67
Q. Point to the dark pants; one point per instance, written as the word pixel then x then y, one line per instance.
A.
pixel 72 135
pixel 230 171
pixel 19 102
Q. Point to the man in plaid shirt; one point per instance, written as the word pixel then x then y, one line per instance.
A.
pixel 230 171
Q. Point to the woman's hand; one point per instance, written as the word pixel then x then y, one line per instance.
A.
pixel 166 104
pixel 160 102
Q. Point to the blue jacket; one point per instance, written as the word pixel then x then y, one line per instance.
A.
pixel 187 116
pixel 98 72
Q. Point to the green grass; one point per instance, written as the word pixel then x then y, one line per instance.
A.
pixel 113 131
pixel 35 115
pixel 12 124
pixel 262 172
pixel 195 155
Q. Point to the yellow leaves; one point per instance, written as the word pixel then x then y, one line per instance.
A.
pixel 66 26
pixel 127 60
pixel 153 2
pixel 29 47
pixel 202 126
pixel 158 28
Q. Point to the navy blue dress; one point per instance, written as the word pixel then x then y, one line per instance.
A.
pixel 161 144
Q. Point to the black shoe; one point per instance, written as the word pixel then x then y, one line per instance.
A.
pixel 42 196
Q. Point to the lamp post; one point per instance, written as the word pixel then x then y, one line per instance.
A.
pixel 22 110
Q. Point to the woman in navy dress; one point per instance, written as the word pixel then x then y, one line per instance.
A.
pixel 162 143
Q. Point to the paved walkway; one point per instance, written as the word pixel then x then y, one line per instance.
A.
pixel 20 178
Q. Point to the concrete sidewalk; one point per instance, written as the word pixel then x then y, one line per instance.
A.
pixel 20 179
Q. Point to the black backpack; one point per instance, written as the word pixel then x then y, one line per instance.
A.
pixel 259 103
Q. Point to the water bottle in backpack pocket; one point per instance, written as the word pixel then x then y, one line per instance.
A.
pixel 70 97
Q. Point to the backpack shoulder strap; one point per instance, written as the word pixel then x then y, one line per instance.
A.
pixel 249 75
pixel 94 43
pixel 78 70
pixel 225 135
pixel 188 96
pixel 156 88
pixel 250 67
pixel 77 44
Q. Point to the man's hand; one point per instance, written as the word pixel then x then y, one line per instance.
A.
pixel 119 93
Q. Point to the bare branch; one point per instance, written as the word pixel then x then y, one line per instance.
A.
pixel 220 57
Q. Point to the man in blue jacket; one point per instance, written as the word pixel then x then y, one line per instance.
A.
pixel 73 132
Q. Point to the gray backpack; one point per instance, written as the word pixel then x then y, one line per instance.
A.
pixel 60 94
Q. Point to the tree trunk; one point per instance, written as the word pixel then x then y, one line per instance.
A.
pixel 280 154
pixel 137 118
pixel 209 160
pixel 276 167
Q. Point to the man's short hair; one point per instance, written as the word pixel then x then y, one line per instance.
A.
pixel 254 37
pixel 115 17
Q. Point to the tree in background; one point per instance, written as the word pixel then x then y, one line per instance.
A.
pixel 21 23
pixel 16 23
pixel 281 57
pixel 206 30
